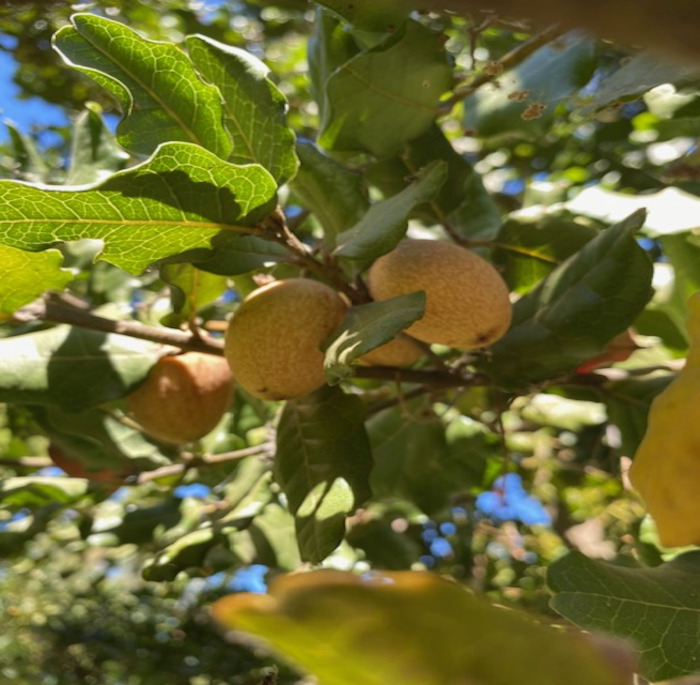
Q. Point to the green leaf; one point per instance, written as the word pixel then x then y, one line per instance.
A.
pixel 638 74
pixel 188 552
pixel 95 154
pixel 322 464
pixel 388 95
pixel 41 491
pixel 190 290
pixel 233 254
pixel 385 223
pixel 657 609
pixel 100 440
pixel 371 15
pixel 408 627
pixel 529 248
pixel 176 201
pixel 462 201
pixel 28 162
pixel 410 457
pixel 254 108
pixel 547 77
pixel 337 196
pixel 25 276
pixel 155 83
pixel 572 315
pixel 366 327
pixel 328 48
pixel 72 368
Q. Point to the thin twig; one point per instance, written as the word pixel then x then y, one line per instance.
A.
pixel 508 61
pixel 51 309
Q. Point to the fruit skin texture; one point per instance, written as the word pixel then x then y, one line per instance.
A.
pixel 273 342
pixel 401 351
pixel 666 467
pixel 183 397
pixel 467 304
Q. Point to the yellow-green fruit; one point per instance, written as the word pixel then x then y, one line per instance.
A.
pixel 273 342
pixel 183 397
pixel 467 302
pixel 666 467
pixel 401 351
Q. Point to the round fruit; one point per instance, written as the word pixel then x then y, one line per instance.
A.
pixel 183 397
pixel 75 468
pixel 401 351
pixel 467 304
pixel 273 342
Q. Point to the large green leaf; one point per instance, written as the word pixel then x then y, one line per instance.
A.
pixel 337 196
pixel 529 247
pixel 254 107
pixel 385 223
pixel 388 95
pixel 71 368
pixel 25 276
pixel 408 627
pixel 368 326
pixel 546 78
pixel 322 464
pixel 657 609
pixel 572 315
pixel 411 457
pixel 155 83
pixel 176 201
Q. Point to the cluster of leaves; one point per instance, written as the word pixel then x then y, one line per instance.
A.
pixel 221 169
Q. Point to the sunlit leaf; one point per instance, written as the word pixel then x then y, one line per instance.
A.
pixel 407 627
pixel 254 108
pixel 24 276
pixel 176 201
pixel 155 83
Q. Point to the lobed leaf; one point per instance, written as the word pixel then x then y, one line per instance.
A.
pixel 254 108
pixel 176 201
pixel 572 315
pixel 158 88
pixel 408 627
pixel 657 609
pixel 322 465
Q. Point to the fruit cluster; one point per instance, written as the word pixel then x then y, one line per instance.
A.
pixel 273 345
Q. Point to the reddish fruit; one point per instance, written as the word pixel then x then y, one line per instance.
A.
pixel 183 397
pixel 75 468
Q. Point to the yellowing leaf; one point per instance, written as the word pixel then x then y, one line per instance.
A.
pixel 408 627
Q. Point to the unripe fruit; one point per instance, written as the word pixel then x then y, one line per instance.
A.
pixel 401 351
pixel 183 397
pixel 273 342
pixel 467 304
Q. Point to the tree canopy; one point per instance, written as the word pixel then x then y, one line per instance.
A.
pixel 405 522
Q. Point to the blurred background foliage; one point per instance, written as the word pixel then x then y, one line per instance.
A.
pixel 108 587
